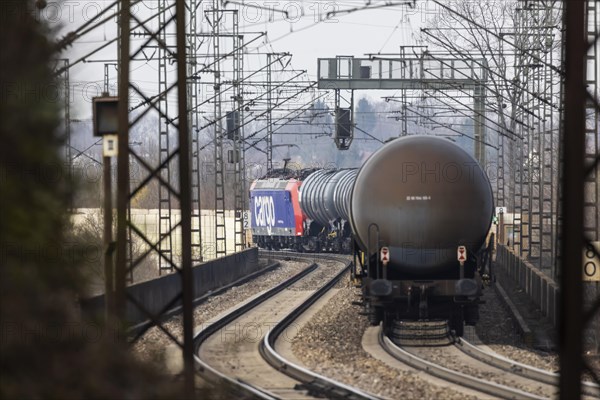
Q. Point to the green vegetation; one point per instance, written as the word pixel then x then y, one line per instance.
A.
pixel 47 350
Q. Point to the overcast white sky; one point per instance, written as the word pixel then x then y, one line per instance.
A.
pixel 307 33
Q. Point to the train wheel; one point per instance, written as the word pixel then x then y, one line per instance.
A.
pixel 388 322
pixel 458 327
pixel 336 247
pixel 375 315
pixel 347 246
pixel 310 246
pixel 457 323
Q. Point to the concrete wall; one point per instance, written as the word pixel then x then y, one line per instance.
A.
pixel 541 289
pixel 544 292
pixel 147 222
pixel 155 294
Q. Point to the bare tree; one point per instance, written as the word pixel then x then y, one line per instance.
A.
pixel 493 33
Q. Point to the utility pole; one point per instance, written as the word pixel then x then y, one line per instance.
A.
pixel 187 279
pixel 180 191
pixel 108 240
pixel 122 160
pixel 573 145
pixel 109 247
pixel 165 224
pixel 269 115
pixel 220 231
pixel 194 123
pixel 239 159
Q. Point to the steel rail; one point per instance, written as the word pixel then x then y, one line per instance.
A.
pixel 213 375
pixel 313 381
pixel 330 388
pixel 590 388
pixel 139 328
pixel 294 255
pixel 449 375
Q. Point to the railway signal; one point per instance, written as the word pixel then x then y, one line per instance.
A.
pixel 105 115
pixel 104 111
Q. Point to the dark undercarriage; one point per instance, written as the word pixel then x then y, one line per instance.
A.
pixel 392 295
pixel 305 244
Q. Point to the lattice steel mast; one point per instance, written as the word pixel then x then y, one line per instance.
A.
pixel 194 123
pixel 126 190
pixel 216 17
pixel 238 137
pixel 165 224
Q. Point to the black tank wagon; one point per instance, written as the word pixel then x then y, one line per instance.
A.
pixel 421 200
pixel 426 203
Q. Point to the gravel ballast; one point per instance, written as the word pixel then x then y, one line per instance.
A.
pixel 152 345
pixel 330 344
pixel 497 330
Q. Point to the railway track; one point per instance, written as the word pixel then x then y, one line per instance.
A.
pixel 464 364
pixel 589 388
pixel 239 349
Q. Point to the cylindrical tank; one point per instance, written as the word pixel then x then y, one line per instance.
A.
pixel 325 195
pixel 342 192
pixel 426 196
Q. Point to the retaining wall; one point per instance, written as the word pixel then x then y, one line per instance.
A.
pixel 154 295
pixel 541 289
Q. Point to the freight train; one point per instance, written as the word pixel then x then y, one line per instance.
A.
pixel 289 211
pixel 417 215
